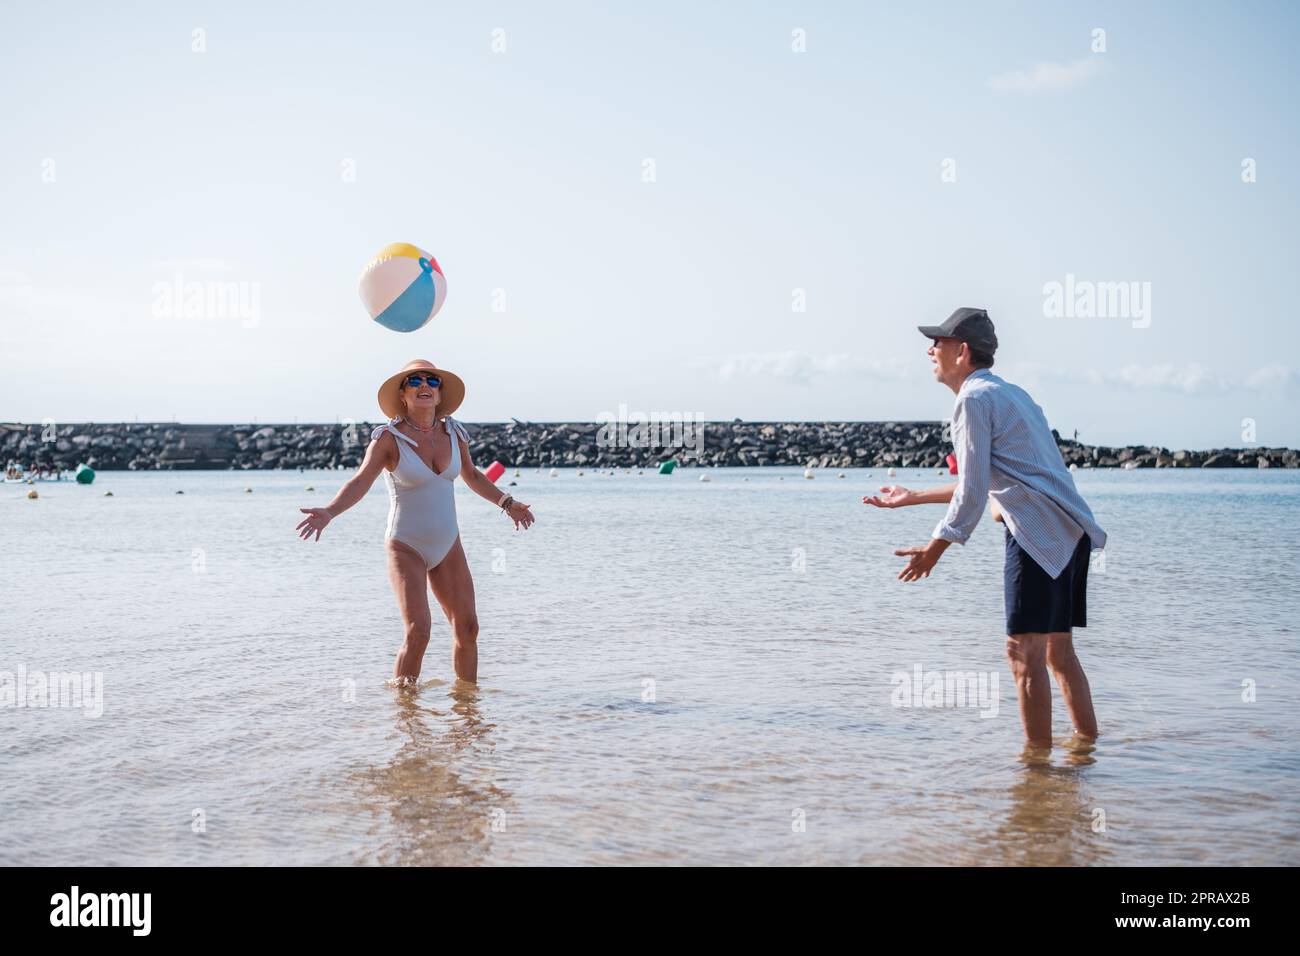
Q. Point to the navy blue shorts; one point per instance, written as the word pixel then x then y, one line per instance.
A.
pixel 1035 603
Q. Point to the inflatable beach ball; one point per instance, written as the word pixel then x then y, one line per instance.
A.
pixel 402 287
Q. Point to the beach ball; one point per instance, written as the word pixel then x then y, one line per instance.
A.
pixel 402 287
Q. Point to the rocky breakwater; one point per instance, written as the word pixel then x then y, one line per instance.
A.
pixel 171 446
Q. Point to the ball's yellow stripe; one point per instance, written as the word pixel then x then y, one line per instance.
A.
pixel 400 249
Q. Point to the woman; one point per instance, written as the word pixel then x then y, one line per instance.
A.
pixel 421 450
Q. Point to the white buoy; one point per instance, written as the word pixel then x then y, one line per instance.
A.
pixel 1073 466
pixel 580 472
pixel 841 475
pixel 555 473
pixel 808 473
pixel 705 477
pixel 891 473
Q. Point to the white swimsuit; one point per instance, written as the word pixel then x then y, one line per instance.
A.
pixel 422 502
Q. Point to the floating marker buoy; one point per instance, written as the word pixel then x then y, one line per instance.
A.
pixel 32 494
pixel 108 494
pixel 180 492
pixel 310 488
pixel 1073 466
pixel 666 468
pixel 513 483
pixel 952 463
pixel 840 475
pixel 555 472
pixel 495 471
pixel 808 473
pixel 84 474
pixel 580 472
pixel 705 477
pixel 891 473
pixel 516 472
pixel 248 491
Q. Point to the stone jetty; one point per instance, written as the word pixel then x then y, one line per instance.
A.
pixel 172 446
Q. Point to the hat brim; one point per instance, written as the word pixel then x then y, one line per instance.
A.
pixel 933 332
pixel 451 394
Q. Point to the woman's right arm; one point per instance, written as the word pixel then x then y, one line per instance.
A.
pixel 378 455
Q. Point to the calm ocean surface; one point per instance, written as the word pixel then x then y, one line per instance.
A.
pixel 671 671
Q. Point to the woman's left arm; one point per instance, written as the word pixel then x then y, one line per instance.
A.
pixel 482 486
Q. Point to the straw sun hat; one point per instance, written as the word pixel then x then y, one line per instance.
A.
pixel 450 395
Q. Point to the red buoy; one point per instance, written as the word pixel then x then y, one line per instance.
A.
pixel 495 471
pixel 952 464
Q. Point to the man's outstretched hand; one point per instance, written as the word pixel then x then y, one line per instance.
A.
pixel 891 496
pixel 923 559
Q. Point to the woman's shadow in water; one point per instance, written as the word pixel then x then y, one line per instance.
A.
pixel 437 813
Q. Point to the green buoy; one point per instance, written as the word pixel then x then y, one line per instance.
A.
pixel 666 468
pixel 85 474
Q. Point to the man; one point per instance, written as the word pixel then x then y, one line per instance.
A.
pixel 1006 454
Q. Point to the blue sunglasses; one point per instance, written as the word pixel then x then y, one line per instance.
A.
pixel 415 380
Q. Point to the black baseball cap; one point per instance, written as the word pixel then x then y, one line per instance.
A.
pixel 972 326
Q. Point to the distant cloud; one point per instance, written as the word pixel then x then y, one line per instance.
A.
pixel 802 368
pixel 1273 378
pixel 1048 76
pixel 1189 379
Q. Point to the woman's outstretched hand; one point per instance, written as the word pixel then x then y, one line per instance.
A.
pixel 520 515
pixel 316 520
pixel 892 496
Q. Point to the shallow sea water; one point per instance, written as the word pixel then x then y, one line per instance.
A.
pixel 671 671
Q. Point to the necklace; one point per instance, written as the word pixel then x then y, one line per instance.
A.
pixel 418 428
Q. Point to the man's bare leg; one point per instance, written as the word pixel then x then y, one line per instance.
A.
pixel 1027 654
pixel 1074 683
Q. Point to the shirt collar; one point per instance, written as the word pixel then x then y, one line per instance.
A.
pixel 978 373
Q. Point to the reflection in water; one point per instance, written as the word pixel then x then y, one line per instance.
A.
pixel 1051 818
pixel 436 812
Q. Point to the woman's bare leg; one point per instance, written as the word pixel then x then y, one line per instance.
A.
pixel 1074 683
pixel 406 572
pixel 453 586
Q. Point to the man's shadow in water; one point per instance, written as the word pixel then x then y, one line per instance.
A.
pixel 436 814
pixel 1051 820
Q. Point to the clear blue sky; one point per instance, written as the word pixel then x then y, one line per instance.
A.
pixel 129 159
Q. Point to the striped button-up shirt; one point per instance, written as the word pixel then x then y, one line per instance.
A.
pixel 1006 452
